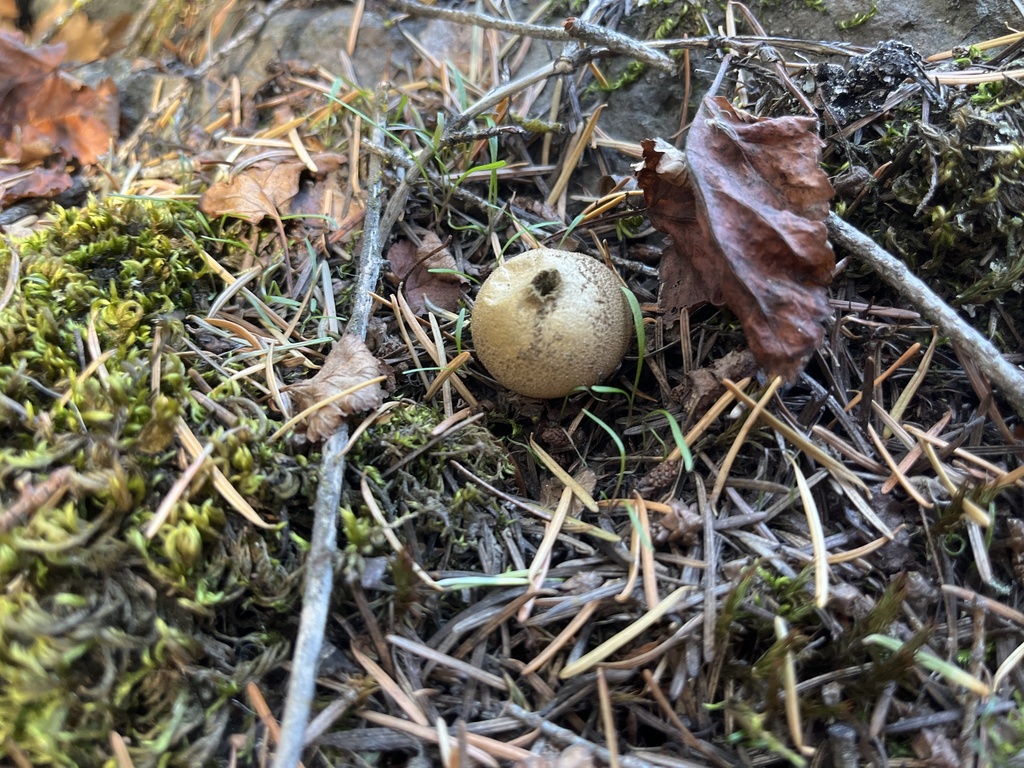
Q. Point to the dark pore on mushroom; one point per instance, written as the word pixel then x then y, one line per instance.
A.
pixel 546 283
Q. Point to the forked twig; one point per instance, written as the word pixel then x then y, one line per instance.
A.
pixel 324 541
pixel 573 29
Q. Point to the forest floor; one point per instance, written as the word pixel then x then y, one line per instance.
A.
pixel 261 502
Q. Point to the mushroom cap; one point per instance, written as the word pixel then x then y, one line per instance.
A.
pixel 548 321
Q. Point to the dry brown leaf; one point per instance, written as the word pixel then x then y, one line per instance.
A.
pixel 275 188
pixel 44 111
pixel 9 14
pixel 700 388
pixel 745 207
pixel 40 182
pixel 313 188
pixel 22 65
pixel 413 265
pixel 322 194
pixel 261 190
pixel 86 40
pixel 349 364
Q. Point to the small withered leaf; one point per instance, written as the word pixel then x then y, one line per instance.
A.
pixel 745 207
pixel 41 182
pixel 273 188
pixel 261 190
pixel 418 267
pixel 349 364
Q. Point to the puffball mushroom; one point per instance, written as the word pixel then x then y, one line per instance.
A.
pixel 548 321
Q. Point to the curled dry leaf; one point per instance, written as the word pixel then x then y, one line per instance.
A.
pixel 348 365
pixel 745 207
pixel 261 190
pixel 45 112
pixel 414 264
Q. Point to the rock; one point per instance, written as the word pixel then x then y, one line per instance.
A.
pixel 318 36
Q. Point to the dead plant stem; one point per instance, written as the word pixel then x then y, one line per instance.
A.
pixel 316 597
pixel 324 541
pixel 563 65
pixel 1009 378
pixel 754 43
pixel 373 236
pixel 255 19
pixel 568 738
pixel 576 29
pixel 642 50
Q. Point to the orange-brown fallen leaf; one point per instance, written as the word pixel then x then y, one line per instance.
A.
pixel 86 40
pixel 349 364
pixel 38 182
pixel 745 207
pixel 9 15
pixel 45 112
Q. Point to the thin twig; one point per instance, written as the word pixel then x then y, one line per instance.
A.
pixel 323 546
pixel 1008 377
pixel 622 43
pixel 563 65
pixel 575 30
pixel 316 597
pixel 752 43
pixel 468 18
pixel 373 236
pixel 578 29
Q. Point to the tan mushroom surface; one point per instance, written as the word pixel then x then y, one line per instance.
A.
pixel 548 321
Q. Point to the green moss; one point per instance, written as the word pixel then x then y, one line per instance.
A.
pixel 814 5
pixel 951 202
pixel 858 18
pixel 102 629
pixel 658 20
pixel 406 465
